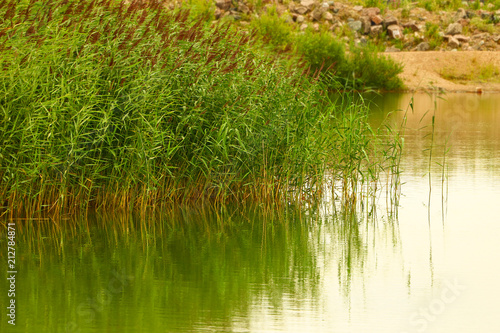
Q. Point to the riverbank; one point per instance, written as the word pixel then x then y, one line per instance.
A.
pixel 445 47
pixel 468 71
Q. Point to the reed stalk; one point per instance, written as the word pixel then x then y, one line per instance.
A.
pixel 107 105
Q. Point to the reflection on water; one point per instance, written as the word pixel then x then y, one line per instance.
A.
pixel 242 269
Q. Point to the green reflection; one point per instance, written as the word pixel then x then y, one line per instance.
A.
pixel 183 270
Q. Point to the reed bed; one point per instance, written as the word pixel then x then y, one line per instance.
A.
pixel 110 105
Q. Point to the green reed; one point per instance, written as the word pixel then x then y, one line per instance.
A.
pixel 110 105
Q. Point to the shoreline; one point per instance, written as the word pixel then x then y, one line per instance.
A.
pixel 423 71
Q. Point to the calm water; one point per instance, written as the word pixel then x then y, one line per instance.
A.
pixel 435 268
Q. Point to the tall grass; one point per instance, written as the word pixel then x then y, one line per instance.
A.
pixel 109 105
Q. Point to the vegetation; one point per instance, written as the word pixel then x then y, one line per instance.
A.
pixel 361 68
pixel 474 72
pixel 432 33
pixel 107 105
pixel 481 25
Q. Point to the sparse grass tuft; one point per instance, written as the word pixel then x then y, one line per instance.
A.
pixel 481 25
pixel 475 72
pixel 432 35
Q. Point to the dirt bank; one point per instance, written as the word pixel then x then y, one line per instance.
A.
pixel 471 70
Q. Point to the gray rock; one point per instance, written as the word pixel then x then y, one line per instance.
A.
pixel 300 19
pixel 301 10
pixel 355 25
pixel 424 46
pixel 365 25
pixel 358 8
pixel 454 29
pixel 303 26
pixel 317 14
pixel 375 30
pixel 328 16
pixel 394 31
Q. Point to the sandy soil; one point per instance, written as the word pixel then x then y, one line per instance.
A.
pixel 422 69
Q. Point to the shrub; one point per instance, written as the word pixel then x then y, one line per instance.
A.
pixel 321 50
pixel 371 69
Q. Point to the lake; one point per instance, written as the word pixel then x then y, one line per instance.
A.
pixel 430 266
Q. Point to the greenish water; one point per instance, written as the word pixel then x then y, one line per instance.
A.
pixel 433 268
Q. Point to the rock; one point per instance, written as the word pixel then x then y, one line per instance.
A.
pixel 316 27
pixel 394 31
pixel 454 29
pixel 462 38
pixel 301 10
pixel 317 14
pixel 453 42
pixel 390 20
pixel 482 35
pixel 303 27
pixel 309 4
pixel 411 25
pixel 355 25
pixel 365 24
pixel 371 11
pixel 300 19
pixel 375 30
pixel 392 49
pixel 496 38
pixel 223 4
pixel 485 15
pixel 424 46
pixel 328 16
pixel 243 8
pixel 460 14
pixel 470 14
pixel 217 13
pixel 358 8
pixel 376 19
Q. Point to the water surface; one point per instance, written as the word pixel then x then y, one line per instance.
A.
pixel 432 268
